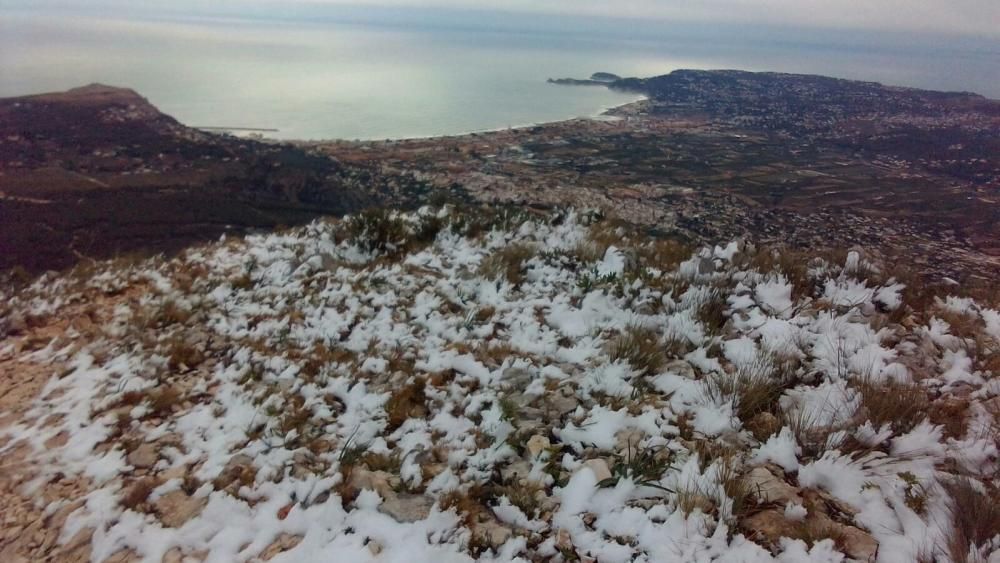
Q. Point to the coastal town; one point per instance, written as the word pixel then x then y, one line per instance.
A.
pixel 713 164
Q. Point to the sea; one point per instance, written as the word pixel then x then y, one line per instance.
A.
pixel 395 74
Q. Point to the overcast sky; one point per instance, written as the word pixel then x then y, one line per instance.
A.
pixel 947 16
pixel 980 18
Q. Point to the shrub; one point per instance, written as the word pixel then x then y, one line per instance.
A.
pixel 377 230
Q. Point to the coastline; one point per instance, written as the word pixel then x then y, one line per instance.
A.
pixel 605 111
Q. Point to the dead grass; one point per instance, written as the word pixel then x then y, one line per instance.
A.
pixel 738 488
pixel 407 402
pixel 812 532
pixel 952 414
pixel 916 493
pixel 794 265
pixel 382 462
pixel 640 347
pixel 469 505
pixel 813 438
pixel 755 387
pixel 508 263
pixel 182 354
pixel 137 493
pixel 692 498
pixel 963 325
pixel 171 313
pixel 524 496
pixel 712 313
pixel 901 405
pixel 162 400
pixel 975 519
pixel 664 254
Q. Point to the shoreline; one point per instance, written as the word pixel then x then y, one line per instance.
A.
pixel 601 112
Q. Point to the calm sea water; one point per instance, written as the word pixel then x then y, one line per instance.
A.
pixel 328 79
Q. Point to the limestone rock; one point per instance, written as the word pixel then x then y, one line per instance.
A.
pixel 514 472
pixel 599 467
pixel 536 445
pixel 771 524
pixel 562 400
pixel 681 368
pixel 859 544
pixel 377 481
pixel 407 508
pixel 495 533
pixel 282 544
pixel 176 507
pixel 143 457
pixel 769 488
pixel 239 468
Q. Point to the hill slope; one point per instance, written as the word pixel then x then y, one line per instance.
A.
pixel 442 386
pixel 98 172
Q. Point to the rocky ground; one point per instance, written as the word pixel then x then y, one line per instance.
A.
pixel 490 385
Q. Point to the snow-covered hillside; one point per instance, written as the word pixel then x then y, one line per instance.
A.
pixel 442 387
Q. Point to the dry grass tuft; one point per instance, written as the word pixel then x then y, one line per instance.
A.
pixel 692 498
pixel 171 313
pixel 975 519
pixel 738 488
pixel 813 531
pixel 640 347
pixel 712 313
pixel 755 387
pixel 508 262
pixel 163 399
pixel 664 254
pixel 524 496
pixel 182 354
pixel 952 414
pixel 901 405
pixel 469 505
pixel 406 403
pixel 137 493
pixel 794 265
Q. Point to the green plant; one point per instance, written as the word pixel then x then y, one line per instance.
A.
pixel 377 230
pixel 916 493
pixel 644 466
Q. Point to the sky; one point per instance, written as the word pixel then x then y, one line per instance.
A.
pixel 978 19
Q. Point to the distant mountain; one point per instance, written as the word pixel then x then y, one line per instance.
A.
pixel 99 171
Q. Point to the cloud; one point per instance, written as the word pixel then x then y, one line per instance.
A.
pixel 953 17
pixel 977 17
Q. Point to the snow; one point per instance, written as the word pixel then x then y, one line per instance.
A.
pixel 307 360
pixel 781 449
pixel 775 296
